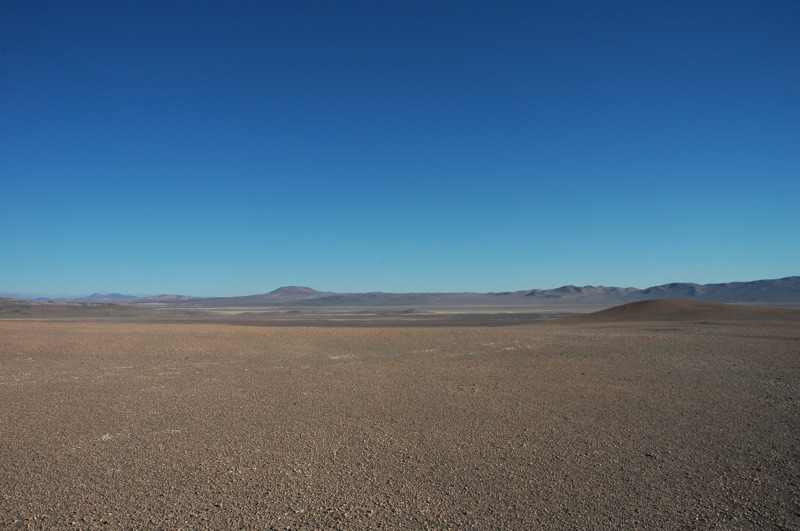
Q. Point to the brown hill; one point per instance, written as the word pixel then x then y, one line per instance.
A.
pixel 683 310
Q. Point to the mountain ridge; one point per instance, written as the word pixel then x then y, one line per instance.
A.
pixel 784 290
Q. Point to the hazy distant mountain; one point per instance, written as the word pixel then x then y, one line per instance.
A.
pixel 164 298
pixel 281 296
pixel 583 294
pixel 778 291
pixel 97 298
pixel 775 291
pixel 119 298
pixel 295 292
pixel 41 297
pixel 107 298
pixel 782 291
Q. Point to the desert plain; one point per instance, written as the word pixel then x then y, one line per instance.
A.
pixel 664 416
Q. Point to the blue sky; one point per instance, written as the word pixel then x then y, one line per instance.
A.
pixel 229 148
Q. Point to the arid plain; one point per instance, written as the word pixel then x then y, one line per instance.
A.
pixel 669 415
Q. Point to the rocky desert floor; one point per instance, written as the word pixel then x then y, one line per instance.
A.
pixel 665 425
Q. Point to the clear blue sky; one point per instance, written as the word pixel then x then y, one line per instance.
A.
pixel 229 148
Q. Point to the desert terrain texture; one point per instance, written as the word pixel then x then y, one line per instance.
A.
pixel 654 415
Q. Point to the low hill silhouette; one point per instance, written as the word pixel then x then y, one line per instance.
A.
pixel 682 310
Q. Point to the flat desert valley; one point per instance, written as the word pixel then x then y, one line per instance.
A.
pixel 668 415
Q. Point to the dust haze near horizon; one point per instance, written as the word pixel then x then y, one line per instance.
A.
pixel 218 149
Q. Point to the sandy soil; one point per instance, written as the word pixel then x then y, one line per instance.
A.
pixel 328 316
pixel 653 425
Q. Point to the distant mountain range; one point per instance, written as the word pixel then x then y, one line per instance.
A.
pixel 99 298
pixel 783 291
pixel 120 298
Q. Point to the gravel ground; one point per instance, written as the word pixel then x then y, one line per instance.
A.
pixel 168 426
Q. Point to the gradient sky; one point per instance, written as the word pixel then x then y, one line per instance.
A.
pixel 229 148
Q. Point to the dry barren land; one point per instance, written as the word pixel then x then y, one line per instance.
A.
pixel 667 425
